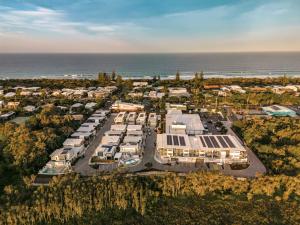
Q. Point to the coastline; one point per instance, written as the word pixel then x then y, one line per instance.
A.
pixel 183 76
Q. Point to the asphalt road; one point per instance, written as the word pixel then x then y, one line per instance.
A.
pixel 82 165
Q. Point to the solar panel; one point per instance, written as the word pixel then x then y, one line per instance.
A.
pixel 175 140
pixel 182 141
pixel 169 140
pixel 229 142
pixel 208 142
pixel 203 142
pixel 223 143
pixel 214 141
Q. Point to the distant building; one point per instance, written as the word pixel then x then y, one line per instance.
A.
pixel 178 92
pixel 170 106
pixel 277 110
pixel 140 83
pixel 127 107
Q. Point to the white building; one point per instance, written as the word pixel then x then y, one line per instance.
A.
pixel 141 119
pixel 120 118
pixel 118 127
pixel 132 145
pixel 179 123
pixel 126 107
pixel 90 105
pixel 10 95
pixel 221 149
pixel 178 92
pixel 105 152
pixel 140 83
pixel 131 117
pixel 152 120
pixel 132 127
pixel 29 108
pixel 111 140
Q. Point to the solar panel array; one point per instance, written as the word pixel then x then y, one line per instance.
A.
pixel 175 140
pixel 216 141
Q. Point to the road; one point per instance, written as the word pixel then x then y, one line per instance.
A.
pixel 82 165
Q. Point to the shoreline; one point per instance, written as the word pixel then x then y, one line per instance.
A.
pixel 147 77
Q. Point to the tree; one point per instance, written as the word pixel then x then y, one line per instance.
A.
pixel 177 78
pixel 119 80
pixel 113 75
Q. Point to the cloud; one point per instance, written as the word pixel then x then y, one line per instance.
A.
pixel 44 21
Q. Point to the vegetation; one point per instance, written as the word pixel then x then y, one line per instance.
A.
pixel 25 148
pixel 205 198
pixel 276 141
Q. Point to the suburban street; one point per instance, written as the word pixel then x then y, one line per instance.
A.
pixel 82 165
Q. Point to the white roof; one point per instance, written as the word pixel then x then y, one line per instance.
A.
pixel 81 134
pixel 192 122
pixel 115 140
pixel 132 139
pixel 134 133
pixel 114 133
pixel 85 129
pixel 134 127
pixel 121 127
pixel 73 142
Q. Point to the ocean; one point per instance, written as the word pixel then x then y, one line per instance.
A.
pixel 149 65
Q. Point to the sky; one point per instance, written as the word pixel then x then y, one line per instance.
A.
pixel 149 26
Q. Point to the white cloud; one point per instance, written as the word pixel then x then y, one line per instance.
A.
pixel 44 21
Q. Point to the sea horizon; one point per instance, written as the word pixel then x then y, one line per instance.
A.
pixel 147 65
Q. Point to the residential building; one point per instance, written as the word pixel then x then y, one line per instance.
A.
pixel 178 92
pixel 132 145
pixel 120 118
pixel 131 117
pixel 152 120
pixel 118 127
pixel 29 108
pixel 119 106
pixel 175 106
pixel 141 119
pixel 10 95
pixel 7 116
pixel 12 105
pixel 90 105
pixel 140 83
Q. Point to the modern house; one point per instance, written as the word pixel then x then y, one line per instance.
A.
pixel 131 117
pixel 152 120
pixel 141 119
pixel 277 110
pixel 132 145
pixel 221 149
pixel 120 118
